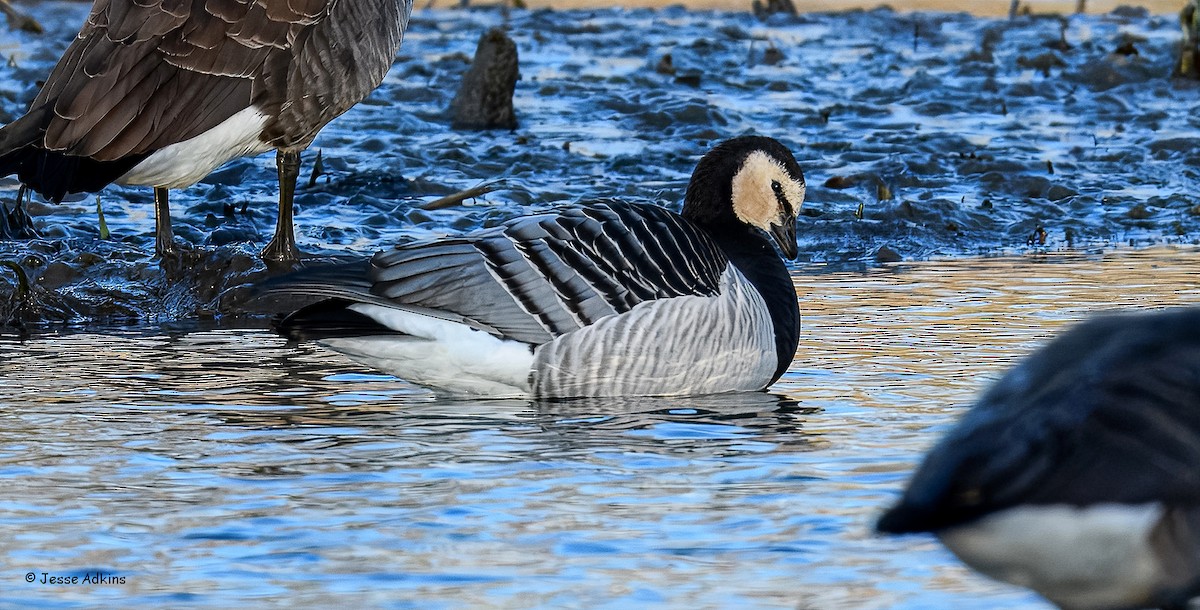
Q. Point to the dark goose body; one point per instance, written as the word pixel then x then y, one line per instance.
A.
pixel 1078 473
pixel 161 93
pixel 601 299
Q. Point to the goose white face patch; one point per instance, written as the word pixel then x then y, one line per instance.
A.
pixel 756 196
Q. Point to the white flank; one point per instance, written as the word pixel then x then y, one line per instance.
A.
pixel 1094 557
pixel 679 346
pixel 450 357
pixel 188 162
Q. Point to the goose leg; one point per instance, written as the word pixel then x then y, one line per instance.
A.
pixel 164 237
pixel 282 247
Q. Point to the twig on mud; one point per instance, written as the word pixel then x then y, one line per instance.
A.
pixel 22 278
pixel 104 234
pixel 454 199
pixel 18 20
pixel 318 169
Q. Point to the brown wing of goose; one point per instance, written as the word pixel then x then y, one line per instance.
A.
pixel 145 74
pixel 329 76
pixel 141 76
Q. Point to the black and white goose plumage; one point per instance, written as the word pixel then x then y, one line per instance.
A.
pixel 1078 473
pixel 601 299
pixel 162 92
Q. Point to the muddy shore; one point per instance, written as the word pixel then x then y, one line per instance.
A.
pixel 921 134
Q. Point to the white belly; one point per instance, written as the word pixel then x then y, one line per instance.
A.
pixel 1094 557
pixel 449 357
pixel 188 162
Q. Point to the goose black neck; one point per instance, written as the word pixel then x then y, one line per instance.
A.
pixel 751 252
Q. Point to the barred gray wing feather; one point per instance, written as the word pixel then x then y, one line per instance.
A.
pixel 345 283
pixel 539 277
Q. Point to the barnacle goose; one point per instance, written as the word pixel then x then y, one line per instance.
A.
pixel 1078 473
pixel 162 92
pixel 602 299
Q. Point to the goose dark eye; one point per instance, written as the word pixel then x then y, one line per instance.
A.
pixel 781 198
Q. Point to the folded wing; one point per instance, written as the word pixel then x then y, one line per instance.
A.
pixel 541 276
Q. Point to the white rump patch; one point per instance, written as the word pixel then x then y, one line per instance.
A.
pixel 446 356
pixel 188 162
pixel 1094 557
pixel 754 201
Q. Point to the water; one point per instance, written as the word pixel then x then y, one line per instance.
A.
pixel 952 134
pixel 149 435
pixel 220 467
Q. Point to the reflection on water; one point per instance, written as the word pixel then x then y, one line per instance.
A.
pixel 223 466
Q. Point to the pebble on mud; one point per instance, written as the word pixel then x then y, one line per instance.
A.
pixel 484 99
pixel 772 55
pixel 665 65
pixel 887 255
pixel 57 274
pixel 1042 63
pixel 689 79
pixel 1139 212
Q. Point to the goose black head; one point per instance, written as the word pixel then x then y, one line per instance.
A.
pixel 750 180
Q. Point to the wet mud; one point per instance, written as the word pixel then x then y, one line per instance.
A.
pixel 920 134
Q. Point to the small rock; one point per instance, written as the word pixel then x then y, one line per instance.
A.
pixel 1126 48
pixel 691 79
pixel 1043 63
pixel 666 65
pixel 231 235
pixel 772 7
pixel 1139 212
pixel 772 55
pixel 887 255
pixel 57 274
pixel 1058 192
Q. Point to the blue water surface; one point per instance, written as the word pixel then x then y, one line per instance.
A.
pixel 222 467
